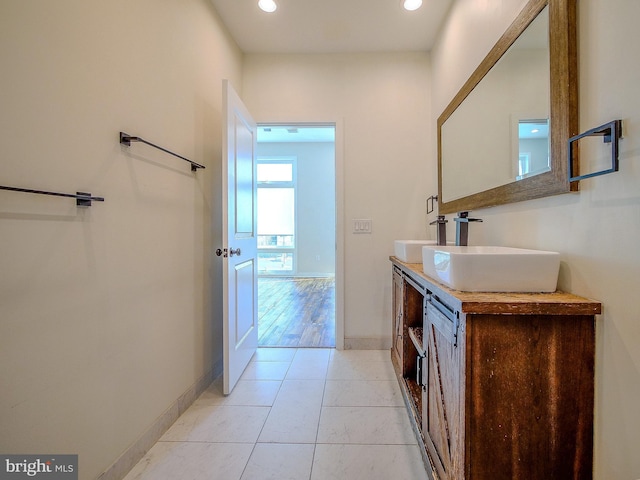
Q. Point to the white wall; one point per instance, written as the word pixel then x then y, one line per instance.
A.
pixel 595 230
pixel 382 103
pixel 109 314
pixel 315 203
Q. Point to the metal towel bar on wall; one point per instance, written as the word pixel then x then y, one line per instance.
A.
pixel 83 199
pixel 611 132
pixel 126 139
pixel 431 203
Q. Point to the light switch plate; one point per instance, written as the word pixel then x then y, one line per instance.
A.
pixel 361 225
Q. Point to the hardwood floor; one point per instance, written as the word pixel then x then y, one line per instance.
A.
pixel 296 312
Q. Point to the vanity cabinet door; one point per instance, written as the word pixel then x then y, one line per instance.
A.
pixel 442 401
pixel 397 320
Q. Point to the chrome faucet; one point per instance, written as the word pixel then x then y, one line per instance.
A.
pixel 441 232
pixel 462 227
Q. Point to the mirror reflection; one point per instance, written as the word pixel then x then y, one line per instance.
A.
pixel 500 133
pixel 533 147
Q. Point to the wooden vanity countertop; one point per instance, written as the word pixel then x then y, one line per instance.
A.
pixel 505 303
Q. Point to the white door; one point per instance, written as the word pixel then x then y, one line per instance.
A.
pixel 239 232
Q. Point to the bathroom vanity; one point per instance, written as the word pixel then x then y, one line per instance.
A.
pixel 499 385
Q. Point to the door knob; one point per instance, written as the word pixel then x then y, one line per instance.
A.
pixel 223 252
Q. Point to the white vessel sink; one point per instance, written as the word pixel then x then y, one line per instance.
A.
pixel 492 269
pixel 410 251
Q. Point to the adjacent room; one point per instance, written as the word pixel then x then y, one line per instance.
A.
pixel 296 235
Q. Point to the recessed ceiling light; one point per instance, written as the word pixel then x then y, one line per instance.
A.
pixel 412 5
pixel 268 6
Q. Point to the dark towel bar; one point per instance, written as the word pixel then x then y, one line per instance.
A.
pixel 611 132
pixel 83 199
pixel 126 139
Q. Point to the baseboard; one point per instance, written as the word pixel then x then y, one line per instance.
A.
pixel 367 343
pixel 148 439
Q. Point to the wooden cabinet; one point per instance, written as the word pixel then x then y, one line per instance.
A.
pixel 407 349
pixel 500 386
pixel 397 334
pixel 444 390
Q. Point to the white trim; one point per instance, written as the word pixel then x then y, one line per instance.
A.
pixel 340 232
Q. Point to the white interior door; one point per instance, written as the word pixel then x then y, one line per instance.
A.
pixel 239 232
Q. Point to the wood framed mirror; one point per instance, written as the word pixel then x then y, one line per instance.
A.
pixel 479 161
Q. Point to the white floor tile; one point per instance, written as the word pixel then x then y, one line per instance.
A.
pixel 365 425
pixel 295 414
pixel 307 393
pixel 368 462
pixel 218 423
pixel 309 364
pixel 274 355
pixel 259 393
pixel 367 355
pixel 265 371
pixel 193 461
pixel 360 367
pixel 273 461
pixel 365 393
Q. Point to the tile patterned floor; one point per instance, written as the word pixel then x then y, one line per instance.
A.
pixel 296 414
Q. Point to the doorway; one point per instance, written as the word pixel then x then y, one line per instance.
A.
pixel 296 185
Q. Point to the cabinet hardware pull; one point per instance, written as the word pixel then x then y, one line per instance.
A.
pixel 456 326
pixel 419 360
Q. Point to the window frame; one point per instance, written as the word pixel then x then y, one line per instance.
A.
pixel 292 250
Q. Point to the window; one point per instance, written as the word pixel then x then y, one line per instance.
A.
pixel 276 216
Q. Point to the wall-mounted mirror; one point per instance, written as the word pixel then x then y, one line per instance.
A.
pixel 503 138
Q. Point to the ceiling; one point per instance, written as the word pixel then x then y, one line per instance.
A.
pixel 332 26
pixel 295 133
